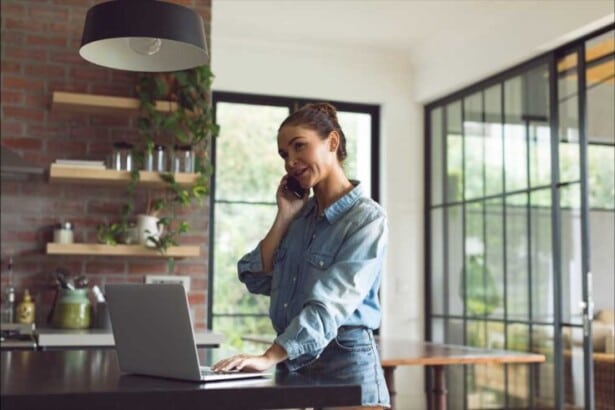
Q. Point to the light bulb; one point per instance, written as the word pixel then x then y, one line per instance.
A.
pixel 148 46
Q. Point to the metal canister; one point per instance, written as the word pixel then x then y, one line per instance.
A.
pixel 160 158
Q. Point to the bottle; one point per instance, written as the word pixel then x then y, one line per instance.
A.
pixel 25 309
pixel 8 305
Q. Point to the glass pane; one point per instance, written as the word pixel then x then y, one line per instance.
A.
pixel 455 384
pixel 478 288
pixel 357 128
pixel 573 368
pixel 601 176
pixel 543 288
pixel 568 99
pixel 538 128
pixel 454 284
pixel 517 262
pixel 540 153
pixel 238 229
pixel 476 333
pixel 536 94
pixel 454 153
pixel 571 261
pixel 544 387
pixel 494 160
pixel 518 375
pixel 437 159
pixel 437 262
pixel 437 330
pixel 455 374
pixel 487 383
pixel 248 166
pixel 454 332
pixel 494 257
pixel 600 81
pixel 474 146
pixel 515 144
pixel 235 327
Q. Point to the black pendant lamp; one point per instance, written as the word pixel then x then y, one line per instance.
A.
pixel 144 35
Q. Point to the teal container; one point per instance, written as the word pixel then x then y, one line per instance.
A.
pixel 72 309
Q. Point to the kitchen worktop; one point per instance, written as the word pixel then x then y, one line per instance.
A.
pixel 91 379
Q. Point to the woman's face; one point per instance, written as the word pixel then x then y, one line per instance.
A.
pixel 306 156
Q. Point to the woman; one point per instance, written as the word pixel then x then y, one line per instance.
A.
pixel 321 263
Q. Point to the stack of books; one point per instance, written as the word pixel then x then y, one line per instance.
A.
pixel 79 163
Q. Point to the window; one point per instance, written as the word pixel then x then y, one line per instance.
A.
pixel 247 170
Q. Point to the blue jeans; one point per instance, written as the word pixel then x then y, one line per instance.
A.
pixel 352 357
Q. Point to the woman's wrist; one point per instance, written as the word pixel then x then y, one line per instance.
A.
pixel 275 353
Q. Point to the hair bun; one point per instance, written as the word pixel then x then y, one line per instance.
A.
pixel 324 108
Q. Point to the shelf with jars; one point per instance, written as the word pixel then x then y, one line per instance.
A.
pixel 83 175
pixel 174 110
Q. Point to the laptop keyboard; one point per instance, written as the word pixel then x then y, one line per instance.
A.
pixel 207 371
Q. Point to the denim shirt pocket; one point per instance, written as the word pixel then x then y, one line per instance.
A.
pixel 320 261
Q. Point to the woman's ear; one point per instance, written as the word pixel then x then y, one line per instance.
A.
pixel 334 141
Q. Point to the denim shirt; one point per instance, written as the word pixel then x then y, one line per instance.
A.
pixel 326 273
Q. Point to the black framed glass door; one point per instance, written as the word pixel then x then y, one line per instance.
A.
pixel 518 169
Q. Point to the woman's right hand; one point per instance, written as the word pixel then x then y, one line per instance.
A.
pixel 288 204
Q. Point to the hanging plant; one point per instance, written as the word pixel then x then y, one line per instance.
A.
pixel 188 122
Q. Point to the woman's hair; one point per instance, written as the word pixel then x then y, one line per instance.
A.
pixel 322 118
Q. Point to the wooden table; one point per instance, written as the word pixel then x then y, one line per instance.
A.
pixel 91 379
pixel 434 356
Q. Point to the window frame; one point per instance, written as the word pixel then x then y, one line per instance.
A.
pixel 293 104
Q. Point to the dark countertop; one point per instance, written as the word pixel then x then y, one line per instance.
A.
pixel 91 379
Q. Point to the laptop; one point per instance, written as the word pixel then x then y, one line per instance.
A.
pixel 153 333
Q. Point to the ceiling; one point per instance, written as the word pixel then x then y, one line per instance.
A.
pixel 483 35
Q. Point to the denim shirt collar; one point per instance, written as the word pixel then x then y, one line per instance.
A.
pixel 334 211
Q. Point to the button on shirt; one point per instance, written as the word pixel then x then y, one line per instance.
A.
pixel 326 274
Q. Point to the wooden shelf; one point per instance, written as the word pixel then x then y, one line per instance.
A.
pixel 94 249
pixel 97 104
pixel 83 175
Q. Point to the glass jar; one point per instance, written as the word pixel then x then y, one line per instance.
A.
pixel 121 158
pixel 63 233
pixel 160 159
pixel 72 309
pixel 183 159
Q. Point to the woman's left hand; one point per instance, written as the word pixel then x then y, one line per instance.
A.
pixel 253 363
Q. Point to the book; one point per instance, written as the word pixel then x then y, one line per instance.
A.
pixel 80 163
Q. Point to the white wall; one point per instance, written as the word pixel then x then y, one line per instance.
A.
pixel 361 76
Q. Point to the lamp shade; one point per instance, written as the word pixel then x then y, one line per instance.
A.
pixel 144 35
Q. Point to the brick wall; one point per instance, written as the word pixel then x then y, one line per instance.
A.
pixel 40 42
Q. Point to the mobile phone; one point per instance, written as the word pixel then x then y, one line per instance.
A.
pixel 295 187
